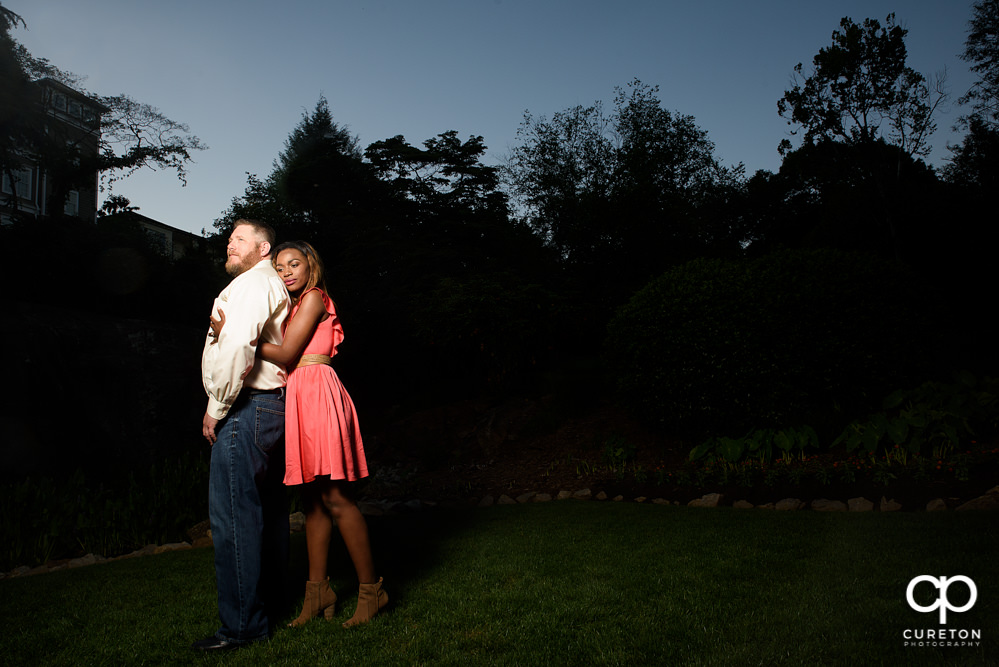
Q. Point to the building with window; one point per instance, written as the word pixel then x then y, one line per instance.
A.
pixel 67 132
pixel 170 241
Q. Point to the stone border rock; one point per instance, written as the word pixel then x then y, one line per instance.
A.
pixel 988 501
pixel 94 559
pixel 201 536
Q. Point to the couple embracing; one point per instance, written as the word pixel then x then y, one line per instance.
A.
pixel 277 415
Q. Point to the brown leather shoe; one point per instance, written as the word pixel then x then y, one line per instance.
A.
pixel 319 597
pixel 370 598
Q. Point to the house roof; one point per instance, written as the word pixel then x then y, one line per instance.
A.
pixel 151 222
pixel 72 92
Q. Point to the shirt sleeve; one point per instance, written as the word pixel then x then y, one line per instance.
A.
pixel 249 306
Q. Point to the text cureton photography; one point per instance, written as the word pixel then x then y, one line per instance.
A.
pixel 941 636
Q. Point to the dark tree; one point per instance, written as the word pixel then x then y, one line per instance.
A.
pixel 560 178
pixel 421 257
pixel 116 204
pixel 865 118
pixel 975 161
pixel 20 100
pixel 451 201
pixel 621 196
pixel 321 171
pixel 259 201
pixel 868 197
pixel 135 135
pixel 475 283
pixel 982 49
pixel 669 190
pixel 861 91
pixel 318 186
pixel 445 172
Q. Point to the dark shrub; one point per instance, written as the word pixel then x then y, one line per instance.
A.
pixel 812 336
pixel 491 329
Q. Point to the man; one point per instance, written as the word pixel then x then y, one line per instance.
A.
pixel 244 423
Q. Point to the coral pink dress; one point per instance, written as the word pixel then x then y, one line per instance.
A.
pixel 322 436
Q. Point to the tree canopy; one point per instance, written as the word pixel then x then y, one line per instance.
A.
pixel 135 135
pixel 982 50
pixel 861 90
pixel 975 161
pixel 620 196
pixel 445 170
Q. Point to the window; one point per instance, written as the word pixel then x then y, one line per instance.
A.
pixel 23 184
pixel 158 239
pixel 72 207
pixel 60 101
pixel 75 109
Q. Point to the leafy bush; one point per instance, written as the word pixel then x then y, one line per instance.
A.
pixel 486 330
pixel 933 419
pixel 934 422
pixel 806 336
pixel 49 518
pixel 617 453
pixel 761 445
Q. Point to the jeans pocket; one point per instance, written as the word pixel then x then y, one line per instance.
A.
pixel 269 428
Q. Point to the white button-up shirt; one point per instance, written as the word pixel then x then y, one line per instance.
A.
pixel 255 304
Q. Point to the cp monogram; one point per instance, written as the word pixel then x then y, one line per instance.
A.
pixel 942 603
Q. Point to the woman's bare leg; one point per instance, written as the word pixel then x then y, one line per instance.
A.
pixel 353 529
pixel 318 531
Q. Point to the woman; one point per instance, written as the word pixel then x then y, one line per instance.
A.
pixel 322 439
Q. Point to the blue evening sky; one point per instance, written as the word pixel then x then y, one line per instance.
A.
pixel 241 73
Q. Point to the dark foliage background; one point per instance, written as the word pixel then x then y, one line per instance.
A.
pixel 795 337
pixel 609 245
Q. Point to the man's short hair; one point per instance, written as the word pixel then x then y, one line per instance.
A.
pixel 262 229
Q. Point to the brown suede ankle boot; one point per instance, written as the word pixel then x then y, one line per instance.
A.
pixel 319 597
pixel 370 598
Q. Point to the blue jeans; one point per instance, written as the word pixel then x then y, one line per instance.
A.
pixel 248 510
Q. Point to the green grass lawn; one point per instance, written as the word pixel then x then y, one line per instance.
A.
pixel 567 583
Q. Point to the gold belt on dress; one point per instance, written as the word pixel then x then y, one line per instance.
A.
pixel 313 359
